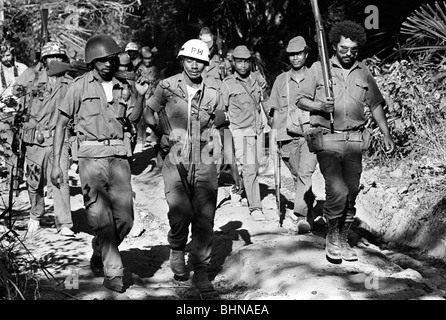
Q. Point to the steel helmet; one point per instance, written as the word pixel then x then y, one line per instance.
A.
pixel 124 58
pixel 146 52
pixel 195 49
pixel 52 48
pixel 131 46
pixel 100 46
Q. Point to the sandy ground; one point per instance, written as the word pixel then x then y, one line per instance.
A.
pixel 251 260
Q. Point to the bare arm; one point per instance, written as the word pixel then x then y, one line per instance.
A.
pixel 59 138
pixel 380 118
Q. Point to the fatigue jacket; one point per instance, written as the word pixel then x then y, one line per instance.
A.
pixel 284 96
pixel 96 119
pixel 351 96
pixel 243 105
pixel 171 97
pixel 42 99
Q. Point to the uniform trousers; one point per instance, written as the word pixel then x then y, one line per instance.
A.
pixel 196 213
pixel 302 164
pixel 108 200
pixel 341 165
pixel 39 162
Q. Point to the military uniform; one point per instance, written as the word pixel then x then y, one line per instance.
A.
pixel 104 170
pixel 295 153
pixel 341 160
pixel 245 118
pixel 171 97
pixel 43 97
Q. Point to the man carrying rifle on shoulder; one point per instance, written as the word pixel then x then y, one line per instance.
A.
pixel 291 143
pixel 341 141
pixel 186 104
pixel 41 95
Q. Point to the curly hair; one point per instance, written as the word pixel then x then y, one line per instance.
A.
pixel 348 29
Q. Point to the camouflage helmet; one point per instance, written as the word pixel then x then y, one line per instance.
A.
pixel 100 46
pixel 52 48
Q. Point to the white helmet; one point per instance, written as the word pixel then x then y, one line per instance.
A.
pixel 131 46
pixel 195 49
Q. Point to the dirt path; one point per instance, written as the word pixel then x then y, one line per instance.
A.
pixel 251 260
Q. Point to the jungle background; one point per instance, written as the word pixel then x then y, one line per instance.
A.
pixel 402 199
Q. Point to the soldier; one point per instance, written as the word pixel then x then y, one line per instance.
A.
pixel 151 72
pixel 102 108
pixel 186 104
pixel 242 95
pixel 295 153
pixel 42 94
pixel 342 133
pixel 132 50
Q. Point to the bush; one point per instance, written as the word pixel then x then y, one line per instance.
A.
pixel 416 109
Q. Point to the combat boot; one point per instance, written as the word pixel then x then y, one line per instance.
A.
pixel 332 243
pixel 347 253
pixel 178 264
pixel 201 281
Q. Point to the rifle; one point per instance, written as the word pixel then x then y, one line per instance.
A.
pixel 323 55
pixel 219 41
pixel 45 35
pixel 276 152
pixel 74 68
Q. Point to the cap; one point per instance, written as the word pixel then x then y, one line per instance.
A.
pixel 241 52
pixel 207 36
pixel 297 44
pixel 131 46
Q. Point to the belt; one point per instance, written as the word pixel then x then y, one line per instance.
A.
pixel 346 135
pixel 108 142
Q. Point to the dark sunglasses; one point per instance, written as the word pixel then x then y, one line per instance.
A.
pixel 344 50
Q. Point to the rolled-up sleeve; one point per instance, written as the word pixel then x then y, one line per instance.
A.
pixel 374 97
pixel 155 102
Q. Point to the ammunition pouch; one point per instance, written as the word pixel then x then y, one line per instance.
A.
pixel 315 139
pixel 366 139
pixel 28 132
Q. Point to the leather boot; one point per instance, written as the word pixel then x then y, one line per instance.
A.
pixel 178 264
pixel 332 243
pixel 348 254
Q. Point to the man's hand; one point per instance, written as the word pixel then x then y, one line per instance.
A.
pixel 327 105
pixel 56 176
pixel 388 142
pixel 142 84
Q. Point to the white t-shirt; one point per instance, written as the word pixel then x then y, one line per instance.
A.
pixel 108 88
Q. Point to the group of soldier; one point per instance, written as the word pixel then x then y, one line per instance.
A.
pixel 209 117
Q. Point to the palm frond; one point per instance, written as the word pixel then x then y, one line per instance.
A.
pixel 426 30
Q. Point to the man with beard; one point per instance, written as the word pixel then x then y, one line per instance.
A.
pixel 295 153
pixel 340 157
pixel 102 108
pixel 10 70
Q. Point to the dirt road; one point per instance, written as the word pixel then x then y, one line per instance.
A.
pixel 251 260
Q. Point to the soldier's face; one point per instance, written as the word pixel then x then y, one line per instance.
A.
pixel 346 52
pixel 297 59
pixel 242 66
pixel 193 68
pixel 107 66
